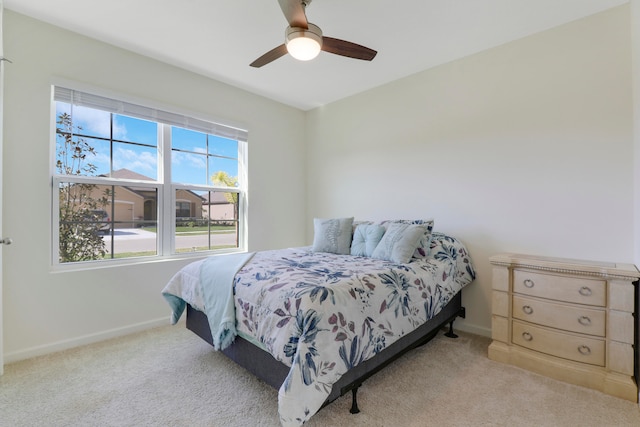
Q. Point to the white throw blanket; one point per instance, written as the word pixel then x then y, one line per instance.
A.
pixel 215 287
pixel 216 279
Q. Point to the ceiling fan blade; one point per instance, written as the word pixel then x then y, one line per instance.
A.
pixel 270 56
pixel 348 49
pixel 294 12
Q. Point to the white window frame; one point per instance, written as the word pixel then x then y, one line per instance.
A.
pixel 166 189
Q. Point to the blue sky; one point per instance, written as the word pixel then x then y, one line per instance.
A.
pixel 188 166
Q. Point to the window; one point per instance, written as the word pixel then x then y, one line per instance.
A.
pixel 131 181
pixel 183 210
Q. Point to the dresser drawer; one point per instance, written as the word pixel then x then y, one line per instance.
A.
pixel 574 318
pixel 572 347
pixel 561 288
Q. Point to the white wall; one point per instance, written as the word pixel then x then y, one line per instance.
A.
pixel 45 311
pixel 635 46
pixel 527 147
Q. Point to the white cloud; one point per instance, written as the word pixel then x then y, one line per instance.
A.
pixel 97 123
pixel 188 160
pixel 142 162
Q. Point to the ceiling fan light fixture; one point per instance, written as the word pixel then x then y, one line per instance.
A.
pixel 304 41
pixel 303 44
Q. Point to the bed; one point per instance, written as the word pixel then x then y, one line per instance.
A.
pixel 315 322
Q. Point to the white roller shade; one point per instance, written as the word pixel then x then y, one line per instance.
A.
pixel 125 108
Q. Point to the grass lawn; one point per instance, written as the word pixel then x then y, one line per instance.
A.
pixel 199 230
pixel 183 250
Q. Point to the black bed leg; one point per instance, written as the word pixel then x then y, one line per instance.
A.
pixel 451 334
pixel 354 401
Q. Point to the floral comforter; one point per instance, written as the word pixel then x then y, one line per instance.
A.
pixel 322 313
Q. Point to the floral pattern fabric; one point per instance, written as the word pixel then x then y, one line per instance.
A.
pixel 322 313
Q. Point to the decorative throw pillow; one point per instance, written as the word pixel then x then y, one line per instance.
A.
pixel 332 235
pixel 424 245
pixel 360 222
pixel 399 242
pixel 366 238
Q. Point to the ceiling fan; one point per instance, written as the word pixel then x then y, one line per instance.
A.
pixel 304 40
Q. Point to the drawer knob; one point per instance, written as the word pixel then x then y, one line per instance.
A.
pixel 527 336
pixel 585 291
pixel 527 309
pixel 584 350
pixel 528 283
pixel 584 321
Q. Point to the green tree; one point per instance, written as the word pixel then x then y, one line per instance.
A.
pixel 223 178
pixel 79 229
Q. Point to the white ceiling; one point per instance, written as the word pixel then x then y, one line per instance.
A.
pixel 220 38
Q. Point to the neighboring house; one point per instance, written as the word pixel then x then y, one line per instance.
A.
pixel 216 206
pixel 138 206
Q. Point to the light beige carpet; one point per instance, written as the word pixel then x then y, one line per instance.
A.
pixel 169 377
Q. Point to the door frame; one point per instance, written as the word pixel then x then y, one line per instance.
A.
pixel 2 61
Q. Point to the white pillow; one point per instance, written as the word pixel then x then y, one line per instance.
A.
pixel 332 235
pixel 366 238
pixel 399 242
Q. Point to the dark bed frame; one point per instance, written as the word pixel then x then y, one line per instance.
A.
pixel 273 372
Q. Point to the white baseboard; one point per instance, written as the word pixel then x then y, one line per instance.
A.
pixel 472 329
pixel 83 340
pixel 118 332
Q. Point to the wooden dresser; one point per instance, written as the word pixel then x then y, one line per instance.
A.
pixel 567 319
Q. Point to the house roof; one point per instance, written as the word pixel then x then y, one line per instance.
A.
pixel 214 198
pixel 123 173
pixel 210 198
pixel 129 174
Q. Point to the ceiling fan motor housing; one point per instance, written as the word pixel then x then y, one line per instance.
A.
pixel 295 35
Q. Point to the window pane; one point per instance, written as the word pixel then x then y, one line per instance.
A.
pixel 188 140
pixel 188 156
pixel 135 130
pixel 223 147
pixel 141 160
pixel 91 122
pixel 62 109
pixel 80 223
pixel 224 172
pixel 214 226
pixel 81 156
pixel 106 221
pixel 188 168
pixel 134 213
pixel 197 156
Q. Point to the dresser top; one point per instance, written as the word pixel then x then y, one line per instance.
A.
pixel 567 265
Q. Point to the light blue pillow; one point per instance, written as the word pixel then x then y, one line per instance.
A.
pixel 366 238
pixel 399 242
pixel 332 235
pixel 424 244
